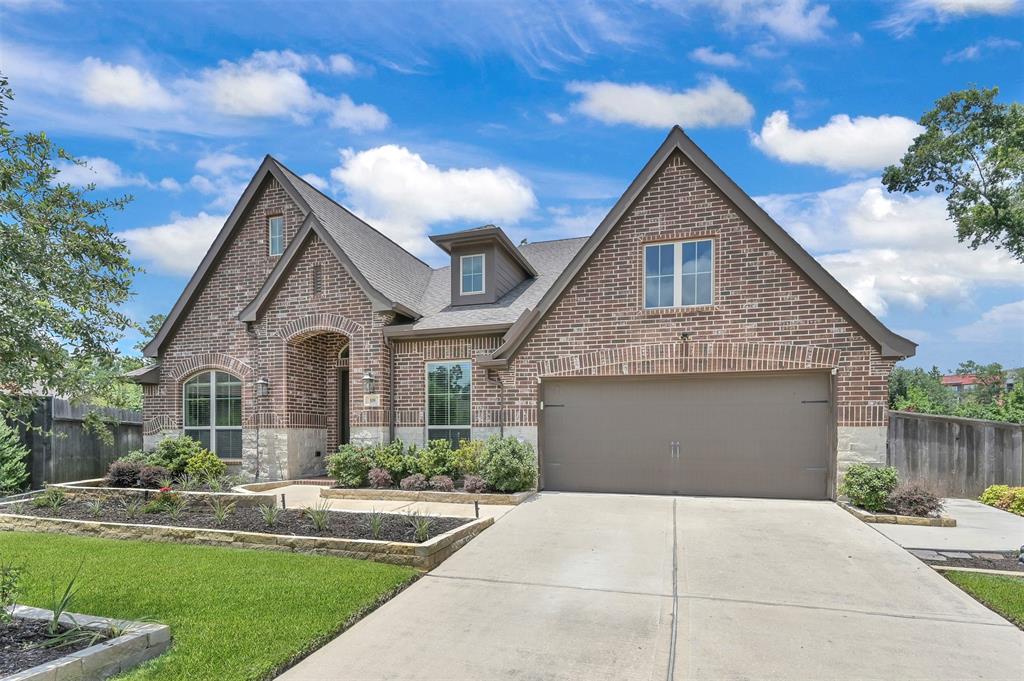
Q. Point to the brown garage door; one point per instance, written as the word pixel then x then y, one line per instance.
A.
pixel 755 436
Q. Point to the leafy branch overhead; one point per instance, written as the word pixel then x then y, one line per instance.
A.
pixel 972 150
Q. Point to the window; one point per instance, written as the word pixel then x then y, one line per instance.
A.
pixel 678 274
pixel 213 412
pixel 448 401
pixel 276 226
pixel 472 270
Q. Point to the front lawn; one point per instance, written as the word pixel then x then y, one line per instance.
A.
pixel 234 614
pixel 1005 595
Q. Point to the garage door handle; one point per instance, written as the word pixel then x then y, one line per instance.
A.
pixel 673 450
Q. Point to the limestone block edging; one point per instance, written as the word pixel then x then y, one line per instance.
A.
pixel 892 519
pixel 426 495
pixel 90 488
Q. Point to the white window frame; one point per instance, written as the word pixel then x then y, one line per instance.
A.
pixel 426 397
pixel 677 274
pixel 270 235
pixel 483 274
pixel 213 427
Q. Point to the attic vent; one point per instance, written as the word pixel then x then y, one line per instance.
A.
pixel 318 279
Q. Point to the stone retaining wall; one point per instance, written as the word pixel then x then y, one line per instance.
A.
pixel 91 488
pixel 425 556
pixel 426 495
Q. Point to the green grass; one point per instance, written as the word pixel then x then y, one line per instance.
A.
pixel 1005 595
pixel 235 614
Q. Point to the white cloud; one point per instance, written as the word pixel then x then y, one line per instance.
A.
pixel 122 85
pixel 170 184
pixel 102 172
pixel 908 15
pixel 315 180
pixel 980 49
pixel 890 249
pixel 256 88
pixel 567 222
pixel 1001 324
pixel 222 162
pixel 357 117
pixel 224 176
pixel 341 63
pixel 712 104
pixel 403 195
pixel 176 247
pixel 842 144
pixel 556 118
pixel 795 20
pixel 708 55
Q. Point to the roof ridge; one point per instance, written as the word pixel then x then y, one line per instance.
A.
pixel 347 210
pixel 548 241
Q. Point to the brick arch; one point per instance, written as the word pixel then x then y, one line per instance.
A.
pixel 213 360
pixel 690 357
pixel 303 327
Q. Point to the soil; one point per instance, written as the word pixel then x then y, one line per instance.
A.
pixel 1009 563
pixel 15 639
pixel 343 524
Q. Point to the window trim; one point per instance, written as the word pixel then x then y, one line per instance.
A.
pixel 426 396
pixel 213 427
pixel 270 235
pixel 677 273
pixel 483 274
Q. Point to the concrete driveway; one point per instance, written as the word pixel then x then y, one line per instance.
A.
pixel 978 528
pixel 577 586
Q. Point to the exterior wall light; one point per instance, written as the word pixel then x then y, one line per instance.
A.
pixel 369 382
pixel 262 387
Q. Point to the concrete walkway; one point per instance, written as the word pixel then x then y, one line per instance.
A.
pixel 978 528
pixel 301 496
pixel 603 587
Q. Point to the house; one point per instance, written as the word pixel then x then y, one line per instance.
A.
pixel 689 345
pixel 960 383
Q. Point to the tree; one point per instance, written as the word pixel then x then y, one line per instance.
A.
pixel 972 149
pixel 991 381
pixel 919 390
pixel 149 330
pixel 13 471
pixel 64 276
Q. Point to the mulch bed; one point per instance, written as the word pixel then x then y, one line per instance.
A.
pixel 343 524
pixel 1008 562
pixel 15 639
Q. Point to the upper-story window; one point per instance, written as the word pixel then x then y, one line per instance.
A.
pixel 472 271
pixel 678 274
pixel 276 239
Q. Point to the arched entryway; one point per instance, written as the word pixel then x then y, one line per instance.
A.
pixel 319 380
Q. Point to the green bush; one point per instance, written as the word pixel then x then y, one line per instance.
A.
pixel 350 465
pixel 393 458
pixel 868 486
pixel 173 453
pixel 993 493
pixel 13 471
pixel 1015 503
pixel 435 459
pixel 466 459
pixel 508 465
pixel 205 466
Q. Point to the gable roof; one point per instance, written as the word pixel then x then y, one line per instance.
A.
pixel 392 277
pixel 891 344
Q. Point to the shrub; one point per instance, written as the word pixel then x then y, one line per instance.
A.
pixel 138 456
pixel 320 515
pixel 124 473
pixel 391 457
pixel 205 466
pixel 1016 504
pixel 466 459
pixel 416 481
pixel 868 486
pixel 10 588
pixel 350 465
pixel 913 498
pixel 173 453
pixel 152 477
pixel 442 483
pixel 13 471
pixel 508 464
pixel 993 493
pixel 380 478
pixel 162 502
pixel 435 459
pixel 474 484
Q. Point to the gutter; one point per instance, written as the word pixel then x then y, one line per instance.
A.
pixel 410 331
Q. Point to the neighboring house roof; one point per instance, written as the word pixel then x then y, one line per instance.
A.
pixel 960 379
pixel 892 345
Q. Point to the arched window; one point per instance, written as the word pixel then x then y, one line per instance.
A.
pixel 212 404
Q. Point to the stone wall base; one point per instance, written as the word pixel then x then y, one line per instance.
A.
pixel 860 444
pixel 417 434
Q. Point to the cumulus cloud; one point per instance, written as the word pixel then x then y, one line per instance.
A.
pixel 908 15
pixel 400 193
pixel 315 180
pixel 1001 324
pixel 223 176
pixel 712 104
pixel 122 85
pixel 357 117
pixel 708 55
pixel 795 20
pixel 980 49
pixel 102 172
pixel 842 144
pixel 555 117
pixel 176 247
pixel 890 249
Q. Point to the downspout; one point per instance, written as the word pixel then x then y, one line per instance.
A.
pixel 391 388
pixel 492 376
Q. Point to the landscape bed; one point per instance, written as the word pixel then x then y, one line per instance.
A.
pixel 454 497
pixel 98 487
pixel 894 519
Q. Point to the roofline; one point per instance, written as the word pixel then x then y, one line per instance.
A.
pixel 147 375
pixel 445 241
pixel 400 331
pixel 890 344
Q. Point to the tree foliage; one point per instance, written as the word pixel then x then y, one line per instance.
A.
pixel 972 150
pixel 64 276
pixel 921 391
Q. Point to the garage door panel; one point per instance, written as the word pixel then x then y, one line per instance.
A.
pixel 765 436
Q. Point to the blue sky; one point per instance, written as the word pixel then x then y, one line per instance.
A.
pixel 429 117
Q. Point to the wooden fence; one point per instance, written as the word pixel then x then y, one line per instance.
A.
pixel 62 449
pixel 957 457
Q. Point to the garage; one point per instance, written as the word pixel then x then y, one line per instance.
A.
pixel 762 435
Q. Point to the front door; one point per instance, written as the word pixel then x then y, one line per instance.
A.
pixel 343 427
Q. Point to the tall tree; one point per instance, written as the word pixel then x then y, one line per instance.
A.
pixel 972 149
pixel 64 276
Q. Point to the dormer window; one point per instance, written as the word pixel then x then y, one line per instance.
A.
pixel 472 274
pixel 275 229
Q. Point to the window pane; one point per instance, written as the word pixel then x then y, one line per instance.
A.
pixel 651 295
pixel 665 299
pixel 276 235
pixel 448 393
pixel 229 400
pixel 200 436
pixel 197 401
pixel 689 289
pixel 689 257
pixel 668 259
pixel 703 286
pixel 229 444
pixel 703 256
